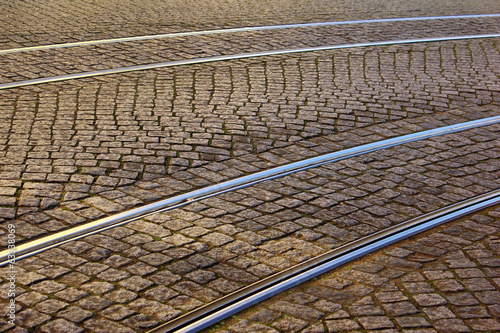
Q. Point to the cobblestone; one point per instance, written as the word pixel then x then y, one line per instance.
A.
pixel 80 150
pixel 46 63
pixel 112 194
pixel 392 305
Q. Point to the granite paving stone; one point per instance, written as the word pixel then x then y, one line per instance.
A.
pixel 61 325
pixel 101 197
pixel 391 305
pixel 79 150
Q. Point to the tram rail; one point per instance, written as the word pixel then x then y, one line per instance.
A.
pixel 54 240
pixel 242 29
pixel 228 305
pixel 121 70
pixel 233 303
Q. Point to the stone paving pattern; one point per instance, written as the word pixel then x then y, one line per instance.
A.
pixel 75 151
pixel 442 281
pixel 48 63
pixel 82 149
pixel 36 22
pixel 153 270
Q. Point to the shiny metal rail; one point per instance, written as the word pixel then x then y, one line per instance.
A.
pixel 45 243
pixel 231 304
pixel 121 70
pixel 243 29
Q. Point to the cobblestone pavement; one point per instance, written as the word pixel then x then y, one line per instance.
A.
pixel 443 281
pixel 85 148
pixel 79 150
pixel 47 63
pixel 150 271
pixel 35 22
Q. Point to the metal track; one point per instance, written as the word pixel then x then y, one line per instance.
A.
pixel 216 311
pixel 121 70
pixel 243 29
pixel 45 243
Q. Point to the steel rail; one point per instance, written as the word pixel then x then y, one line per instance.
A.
pixel 120 70
pixel 243 29
pixel 45 243
pixel 259 291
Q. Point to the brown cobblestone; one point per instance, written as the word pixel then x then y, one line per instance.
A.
pixel 408 302
pixel 100 146
pixel 60 326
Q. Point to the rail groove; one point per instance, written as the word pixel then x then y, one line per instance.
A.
pixel 243 29
pixel 120 70
pixel 266 288
pixel 45 243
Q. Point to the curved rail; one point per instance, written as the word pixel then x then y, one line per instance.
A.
pixel 45 243
pixel 120 70
pixel 243 29
pixel 216 311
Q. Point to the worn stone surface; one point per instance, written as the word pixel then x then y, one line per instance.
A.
pixel 397 305
pixel 159 148
pixel 79 150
